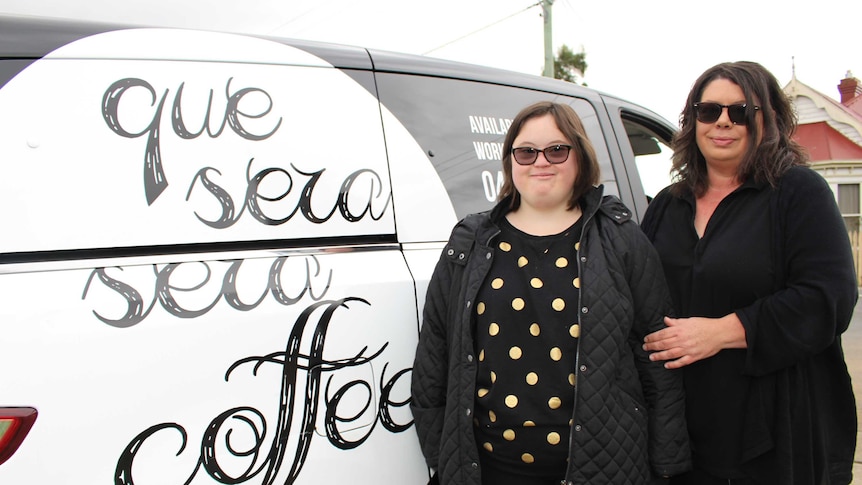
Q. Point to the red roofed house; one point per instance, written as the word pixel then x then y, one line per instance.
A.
pixel 832 133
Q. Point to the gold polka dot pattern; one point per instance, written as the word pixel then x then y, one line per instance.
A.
pixel 556 354
pixel 527 321
pixel 518 304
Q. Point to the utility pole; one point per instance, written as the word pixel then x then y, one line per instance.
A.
pixel 549 45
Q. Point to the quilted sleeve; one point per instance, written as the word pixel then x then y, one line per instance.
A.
pixel 430 369
pixel 669 450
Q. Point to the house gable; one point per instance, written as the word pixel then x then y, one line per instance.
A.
pixel 813 107
pixel 825 143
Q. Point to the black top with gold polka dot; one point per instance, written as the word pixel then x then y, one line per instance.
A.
pixel 526 337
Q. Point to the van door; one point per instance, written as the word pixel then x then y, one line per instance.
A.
pixel 645 145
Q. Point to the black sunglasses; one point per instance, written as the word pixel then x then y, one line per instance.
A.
pixel 553 154
pixel 711 112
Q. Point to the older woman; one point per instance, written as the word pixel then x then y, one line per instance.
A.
pixel 529 368
pixel 759 265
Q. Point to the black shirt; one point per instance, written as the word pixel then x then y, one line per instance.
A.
pixel 526 337
pixel 782 410
pixel 728 268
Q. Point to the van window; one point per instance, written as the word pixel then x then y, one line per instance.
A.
pixel 653 156
pixel 460 126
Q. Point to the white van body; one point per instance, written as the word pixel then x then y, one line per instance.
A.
pixel 216 246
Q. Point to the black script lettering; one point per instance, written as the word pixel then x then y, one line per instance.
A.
pixel 310 280
pixel 345 194
pixel 231 296
pixel 231 115
pixel 155 181
pixel 277 288
pixel 221 195
pixel 252 197
pixel 154 174
pixel 135 312
pixel 164 292
pixel 332 419
pixel 386 402
pixel 350 188
pixel 384 416
pixel 123 475
pixel 294 364
pixel 305 198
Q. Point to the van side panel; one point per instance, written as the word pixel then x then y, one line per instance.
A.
pixel 150 364
pixel 265 366
pixel 181 148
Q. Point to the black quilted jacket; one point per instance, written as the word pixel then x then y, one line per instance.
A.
pixel 629 412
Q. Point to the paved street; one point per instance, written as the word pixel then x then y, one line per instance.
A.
pixel 853 355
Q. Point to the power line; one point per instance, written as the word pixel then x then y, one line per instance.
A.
pixel 481 29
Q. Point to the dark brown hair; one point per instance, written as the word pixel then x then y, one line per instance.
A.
pixel 762 162
pixel 572 128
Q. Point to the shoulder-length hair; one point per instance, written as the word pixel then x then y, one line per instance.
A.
pixel 770 152
pixel 569 123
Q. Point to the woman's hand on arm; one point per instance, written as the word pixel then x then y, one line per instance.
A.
pixel 688 340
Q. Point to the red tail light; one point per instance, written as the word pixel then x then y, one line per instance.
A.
pixel 15 423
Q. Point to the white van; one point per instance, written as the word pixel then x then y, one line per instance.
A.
pixel 216 247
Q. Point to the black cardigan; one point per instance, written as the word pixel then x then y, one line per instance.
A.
pixel 799 414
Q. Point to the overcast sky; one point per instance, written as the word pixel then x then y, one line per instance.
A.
pixel 648 52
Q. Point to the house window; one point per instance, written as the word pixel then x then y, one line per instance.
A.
pixel 848 203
